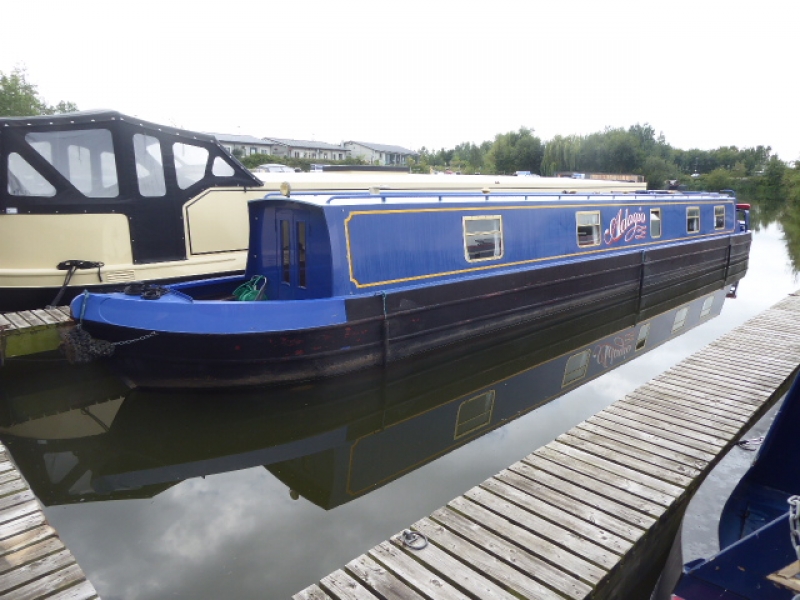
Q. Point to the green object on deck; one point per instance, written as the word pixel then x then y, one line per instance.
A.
pixel 255 289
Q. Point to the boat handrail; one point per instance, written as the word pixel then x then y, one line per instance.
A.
pixel 385 197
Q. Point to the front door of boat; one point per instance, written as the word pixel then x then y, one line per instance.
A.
pixel 292 241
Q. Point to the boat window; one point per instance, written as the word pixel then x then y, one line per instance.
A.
pixel 680 318
pixel 693 219
pixel 644 332
pixel 707 303
pixel 149 165
pixel 286 275
pixel 24 180
pixel 483 237
pixel 85 158
pixel 222 168
pixel 719 217
pixel 576 367
pixel 588 228
pixel 301 253
pixel 655 222
pixel 474 413
pixel 190 163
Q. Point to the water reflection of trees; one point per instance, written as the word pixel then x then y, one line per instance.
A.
pixel 775 197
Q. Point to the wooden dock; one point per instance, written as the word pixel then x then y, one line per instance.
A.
pixel 33 561
pixel 31 331
pixel 585 515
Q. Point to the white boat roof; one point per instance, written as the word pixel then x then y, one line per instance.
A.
pixel 379 182
pixel 411 196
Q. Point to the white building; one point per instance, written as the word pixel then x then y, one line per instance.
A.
pixel 245 145
pixel 380 154
pixel 309 149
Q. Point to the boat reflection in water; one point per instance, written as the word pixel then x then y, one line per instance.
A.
pixel 83 436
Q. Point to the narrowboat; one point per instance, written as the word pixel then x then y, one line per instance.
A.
pixel 95 199
pixel 338 282
pixel 759 527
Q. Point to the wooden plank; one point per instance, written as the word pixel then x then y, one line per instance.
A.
pixel 542 571
pixel 5 324
pixel 740 370
pixel 606 476
pixel 484 563
pixel 26 495
pixel 606 462
pixel 686 421
pixel 9 475
pixel 33 321
pixel 12 486
pixel 715 408
pixel 744 408
pixel 714 376
pixel 642 441
pixel 723 353
pixel 769 364
pixel 17 511
pixel 16 321
pixel 693 378
pixel 40 587
pixel 58 314
pixel 473 582
pixel 85 591
pixel 35 570
pixel 344 587
pixel 657 431
pixel 591 524
pixel 590 530
pixel 563 537
pixel 530 541
pixel 580 438
pixel 542 480
pixel 416 575
pixel 29 554
pixel 736 396
pixel 22 524
pixel 312 593
pixel 589 483
pixel 44 316
pixel 25 538
pixel 376 578
pixel 710 441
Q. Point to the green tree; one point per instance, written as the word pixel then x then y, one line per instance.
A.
pixel 20 98
pixel 516 151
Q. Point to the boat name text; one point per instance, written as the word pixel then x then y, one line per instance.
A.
pixel 629 226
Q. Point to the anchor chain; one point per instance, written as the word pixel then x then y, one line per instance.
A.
pixel 80 347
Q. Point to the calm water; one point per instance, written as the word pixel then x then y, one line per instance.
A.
pixel 212 521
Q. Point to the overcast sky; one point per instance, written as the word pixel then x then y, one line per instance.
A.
pixel 413 73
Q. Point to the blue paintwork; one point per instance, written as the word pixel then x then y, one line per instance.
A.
pixel 180 314
pixel 400 241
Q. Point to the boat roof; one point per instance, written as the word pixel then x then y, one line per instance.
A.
pixel 381 198
pixel 393 181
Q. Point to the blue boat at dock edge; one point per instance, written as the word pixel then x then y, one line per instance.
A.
pixel 347 281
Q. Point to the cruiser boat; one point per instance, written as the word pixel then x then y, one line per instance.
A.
pixel 95 200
